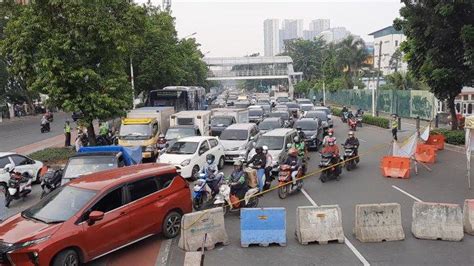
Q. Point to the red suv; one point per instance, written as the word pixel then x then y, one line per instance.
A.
pixel 95 215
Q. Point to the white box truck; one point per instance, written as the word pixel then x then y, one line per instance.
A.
pixel 224 117
pixel 161 114
pixel 188 124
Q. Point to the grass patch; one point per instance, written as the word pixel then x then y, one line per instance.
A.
pixel 53 155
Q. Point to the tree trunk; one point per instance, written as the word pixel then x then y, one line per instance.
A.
pixel 452 111
pixel 91 133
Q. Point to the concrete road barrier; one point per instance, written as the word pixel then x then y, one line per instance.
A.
pixel 441 221
pixel 319 224
pixel 262 226
pixel 468 213
pixel 378 222
pixel 193 259
pixel 194 226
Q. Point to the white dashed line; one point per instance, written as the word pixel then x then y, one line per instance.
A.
pixel 346 241
pixel 408 194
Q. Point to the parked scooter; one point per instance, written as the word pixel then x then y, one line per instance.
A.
pixel 19 185
pixel 205 189
pixel 331 171
pixel 231 202
pixel 51 181
pixel 349 154
pixel 284 178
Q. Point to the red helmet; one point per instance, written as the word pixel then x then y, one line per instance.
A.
pixel 331 131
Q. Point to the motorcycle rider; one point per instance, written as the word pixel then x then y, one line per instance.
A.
pixel 353 141
pixel 259 160
pixel 328 136
pixel 238 181
pixel 332 148
pixel 344 109
pixel 211 171
pixel 268 164
pixel 299 146
pixel 45 122
pixel 295 162
pixel 301 134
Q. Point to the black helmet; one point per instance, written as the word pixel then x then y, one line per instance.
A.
pixel 210 158
pixel 259 149
pixel 298 128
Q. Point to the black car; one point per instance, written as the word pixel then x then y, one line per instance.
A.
pixel 312 131
pixel 219 123
pixel 270 123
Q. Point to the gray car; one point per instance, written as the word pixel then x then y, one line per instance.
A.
pixel 312 130
pixel 238 139
pixel 270 123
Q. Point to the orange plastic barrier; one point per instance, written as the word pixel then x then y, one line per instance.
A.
pixel 437 141
pixel 395 167
pixel 425 153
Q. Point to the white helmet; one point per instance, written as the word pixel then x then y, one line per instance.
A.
pixel 9 168
pixel 265 148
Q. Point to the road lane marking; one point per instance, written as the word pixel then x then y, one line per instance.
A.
pixel 408 194
pixel 363 140
pixel 164 252
pixel 346 241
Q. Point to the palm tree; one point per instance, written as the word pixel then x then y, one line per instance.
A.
pixel 351 57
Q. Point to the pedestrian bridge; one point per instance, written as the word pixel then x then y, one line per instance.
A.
pixel 253 68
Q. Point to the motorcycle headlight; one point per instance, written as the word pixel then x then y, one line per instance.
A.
pixel 186 162
pixel 28 243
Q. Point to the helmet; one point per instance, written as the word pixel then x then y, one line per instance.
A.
pixel 331 141
pixel 265 149
pixel 9 168
pixel 296 139
pixel 298 128
pixel 237 163
pixel 351 133
pixel 259 149
pixel 210 158
pixel 293 152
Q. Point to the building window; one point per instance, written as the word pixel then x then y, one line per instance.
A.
pixel 469 108
pixel 465 97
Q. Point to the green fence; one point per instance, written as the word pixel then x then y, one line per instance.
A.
pixel 411 103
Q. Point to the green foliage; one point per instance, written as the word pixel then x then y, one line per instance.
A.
pixel 338 64
pixel 376 121
pixel 436 48
pixel 455 137
pixel 336 111
pixel 53 155
pixel 404 81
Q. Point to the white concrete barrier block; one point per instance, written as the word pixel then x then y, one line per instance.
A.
pixel 440 221
pixel 468 212
pixel 378 222
pixel 319 224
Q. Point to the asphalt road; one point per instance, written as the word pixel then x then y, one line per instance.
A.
pixel 26 130
pixel 445 183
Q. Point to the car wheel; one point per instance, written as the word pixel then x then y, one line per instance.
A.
pixel 221 163
pixel 67 257
pixel 172 224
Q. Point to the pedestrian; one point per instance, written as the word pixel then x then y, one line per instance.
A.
pixel 67 134
pixel 394 127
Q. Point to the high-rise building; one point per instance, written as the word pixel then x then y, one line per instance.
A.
pixel 291 29
pixel 271 35
pixel 309 35
pixel 339 34
pixel 319 25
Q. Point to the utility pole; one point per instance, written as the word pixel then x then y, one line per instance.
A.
pixel 374 101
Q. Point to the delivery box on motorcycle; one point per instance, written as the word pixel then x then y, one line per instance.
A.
pixel 251 177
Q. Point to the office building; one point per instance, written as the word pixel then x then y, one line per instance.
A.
pixel 271 35
pixel 319 25
pixel 390 39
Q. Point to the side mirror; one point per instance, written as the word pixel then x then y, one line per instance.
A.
pixel 94 217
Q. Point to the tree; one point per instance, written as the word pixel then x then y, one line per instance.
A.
pixel 395 60
pixel 351 54
pixel 307 56
pixel 434 48
pixel 76 53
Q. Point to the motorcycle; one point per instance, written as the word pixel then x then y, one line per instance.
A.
pixel 285 178
pixel 231 203
pixel 19 186
pixel 349 155
pixel 204 189
pixel 45 128
pixel 331 172
pixel 359 120
pixel 352 124
pixel 51 181
pixel 344 117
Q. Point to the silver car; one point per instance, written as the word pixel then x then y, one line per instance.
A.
pixel 238 140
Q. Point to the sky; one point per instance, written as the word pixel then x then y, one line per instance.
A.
pixel 235 27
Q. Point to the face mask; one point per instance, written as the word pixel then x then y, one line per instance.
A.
pixel 209 161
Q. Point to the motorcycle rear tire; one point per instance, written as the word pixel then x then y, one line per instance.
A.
pixel 283 192
pixel 253 202
pixel 349 166
pixel 199 202
pixel 43 194
pixel 8 199
pixel 322 177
